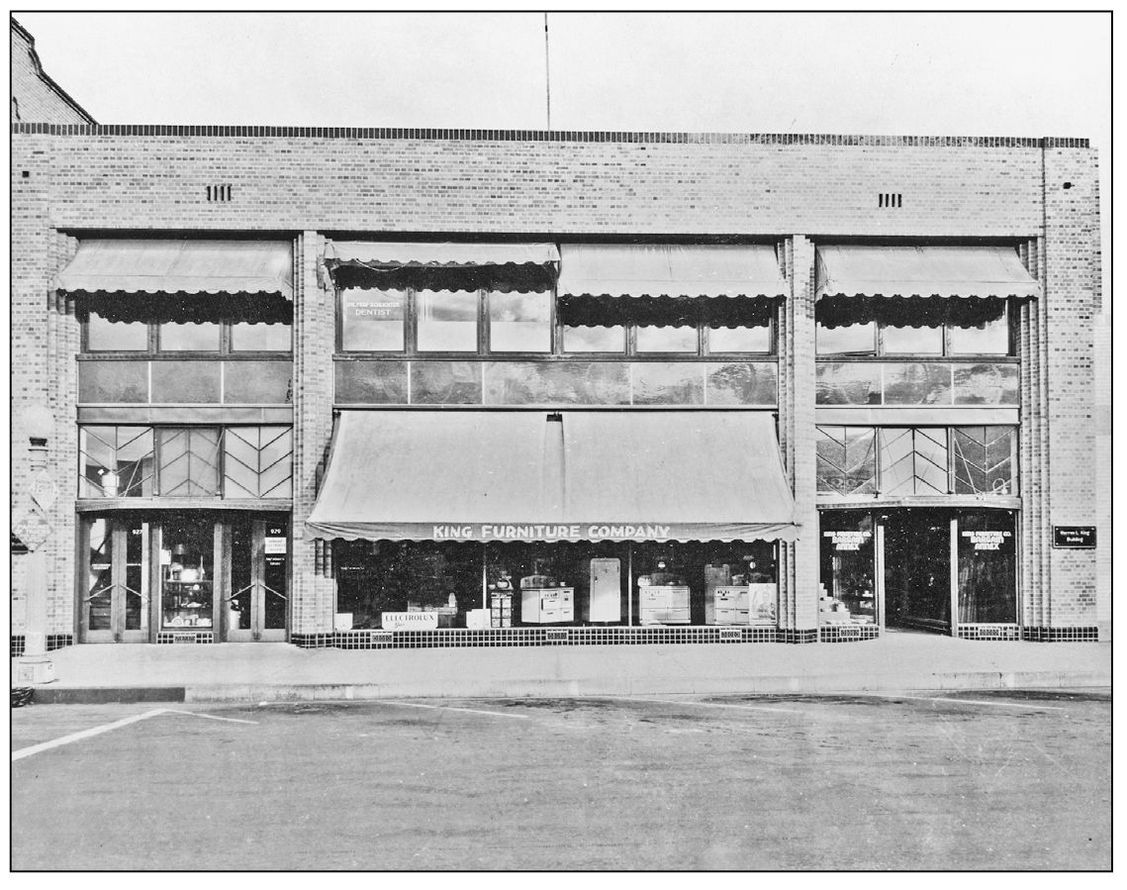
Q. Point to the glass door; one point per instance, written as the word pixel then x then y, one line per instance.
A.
pixel 256 597
pixel 115 598
pixel 917 569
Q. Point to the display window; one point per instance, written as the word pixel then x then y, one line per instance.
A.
pixel 987 573
pixel 187 563
pixel 848 592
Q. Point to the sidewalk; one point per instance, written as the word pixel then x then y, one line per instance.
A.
pixel 281 672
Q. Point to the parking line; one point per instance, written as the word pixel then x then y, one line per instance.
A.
pixel 407 704
pixel 708 704
pixel 971 701
pixel 84 734
pixel 209 716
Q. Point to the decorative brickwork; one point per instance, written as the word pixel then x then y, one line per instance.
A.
pixel 988 632
pixel 847 633
pixel 185 636
pixel 1060 634
pixel 537 636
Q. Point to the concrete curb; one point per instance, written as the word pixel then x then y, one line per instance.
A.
pixel 574 688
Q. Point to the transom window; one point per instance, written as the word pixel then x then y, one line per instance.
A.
pixel 981 329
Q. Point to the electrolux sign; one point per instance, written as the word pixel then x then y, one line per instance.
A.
pixel 1074 537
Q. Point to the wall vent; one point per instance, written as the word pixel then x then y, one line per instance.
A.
pixel 219 193
pixel 890 199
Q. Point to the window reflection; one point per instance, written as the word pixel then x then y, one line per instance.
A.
pixel 447 321
pixel 201 336
pixel 249 336
pixel 592 338
pixel 854 338
pixel 103 335
pixel 990 338
pixel 741 339
pixel 670 338
pixel 520 322
pixel 912 341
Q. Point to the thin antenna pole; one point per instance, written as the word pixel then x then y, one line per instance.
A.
pixel 547 72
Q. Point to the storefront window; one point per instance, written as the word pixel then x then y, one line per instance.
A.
pixel 667 338
pixel 187 572
pixel 594 338
pixel 985 458
pixel 200 336
pixel 372 320
pixel 116 461
pixel 447 321
pixel 987 567
pixel 103 335
pixel 848 569
pixel 520 322
pixel 249 336
pixel 847 460
pixel 739 339
pixel 859 339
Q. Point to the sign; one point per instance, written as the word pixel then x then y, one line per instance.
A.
pixel 580 531
pixel 848 540
pixel 43 490
pixel 1074 537
pixel 409 620
pixel 30 523
pixel 378 307
pixel 274 546
pixel 987 540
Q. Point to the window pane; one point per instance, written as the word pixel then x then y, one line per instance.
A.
pixel 445 383
pixel 985 458
pixel 912 341
pixel 191 382
pixel 187 572
pixel 847 461
pixel 987 567
pixel 991 338
pixel 257 383
pixel 99 581
pixel 372 320
pixel 570 383
pixel 742 339
pixel 200 336
pixel 854 338
pixel 913 461
pixel 247 336
pixel 258 462
pixel 917 384
pixel 673 383
pixel 108 382
pixel 986 384
pixel 848 383
pixel 742 383
pixel 520 322
pixel 371 383
pixel 189 462
pixel 680 338
pixel 593 338
pixel 447 321
pixel 104 335
pixel 848 572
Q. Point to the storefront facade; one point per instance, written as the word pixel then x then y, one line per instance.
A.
pixel 513 389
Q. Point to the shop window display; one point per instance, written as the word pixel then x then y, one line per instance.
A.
pixel 848 570
pixel 187 572
pixel 987 566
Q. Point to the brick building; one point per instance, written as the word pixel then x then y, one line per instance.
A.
pixel 389 388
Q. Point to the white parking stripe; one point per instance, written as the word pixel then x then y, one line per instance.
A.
pixel 407 704
pixel 109 727
pixel 84 734
pixel 971 701
pixel 708 704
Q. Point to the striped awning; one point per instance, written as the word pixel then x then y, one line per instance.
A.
pixel 945 271
pixel 670 270
pixel 160 266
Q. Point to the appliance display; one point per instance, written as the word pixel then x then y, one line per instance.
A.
pixel 605 601
pixel 543 600
pixel 663 603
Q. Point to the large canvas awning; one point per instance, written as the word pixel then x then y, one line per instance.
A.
pixel 951 271
pixel 575 476
pixel 669 270
pixel 442 265
pixel 148 267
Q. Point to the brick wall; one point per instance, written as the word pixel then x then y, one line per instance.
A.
pixel 35 97
pixel 588 185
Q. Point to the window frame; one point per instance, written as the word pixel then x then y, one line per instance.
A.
pixel 879 351
pixel 153 349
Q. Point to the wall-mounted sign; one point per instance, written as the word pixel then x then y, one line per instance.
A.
pixel 1075 537
pixel 275 545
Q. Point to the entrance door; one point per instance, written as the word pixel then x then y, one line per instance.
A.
pixel 917 569
pixel 257 597
pixel 115 599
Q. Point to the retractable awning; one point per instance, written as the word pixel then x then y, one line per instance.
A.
pixel 669 270
pixel 950 271
pixel 146 267
pixel 575 476
pixel 442 265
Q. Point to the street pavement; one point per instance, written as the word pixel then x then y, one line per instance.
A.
pixel 971 780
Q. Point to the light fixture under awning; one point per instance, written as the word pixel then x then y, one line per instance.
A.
pixel 575 476
pixel 139 266
pixel 670 270
pixel 939 270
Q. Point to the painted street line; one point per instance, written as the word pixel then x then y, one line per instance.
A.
pixel 407 704
pixel 109 727
pixel 707 704
pixel 209 716
pixel 971 701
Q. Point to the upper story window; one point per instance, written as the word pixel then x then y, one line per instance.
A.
pixel 982 329
pixel 447 321
pixel 520 322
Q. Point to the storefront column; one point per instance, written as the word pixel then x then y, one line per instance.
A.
pixel 798 565
pixel 313 593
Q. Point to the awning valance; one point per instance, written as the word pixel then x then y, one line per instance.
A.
pixel 575 476
pixel 137 266
pixel 951 271
pixel 670 270
pixel 442 265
